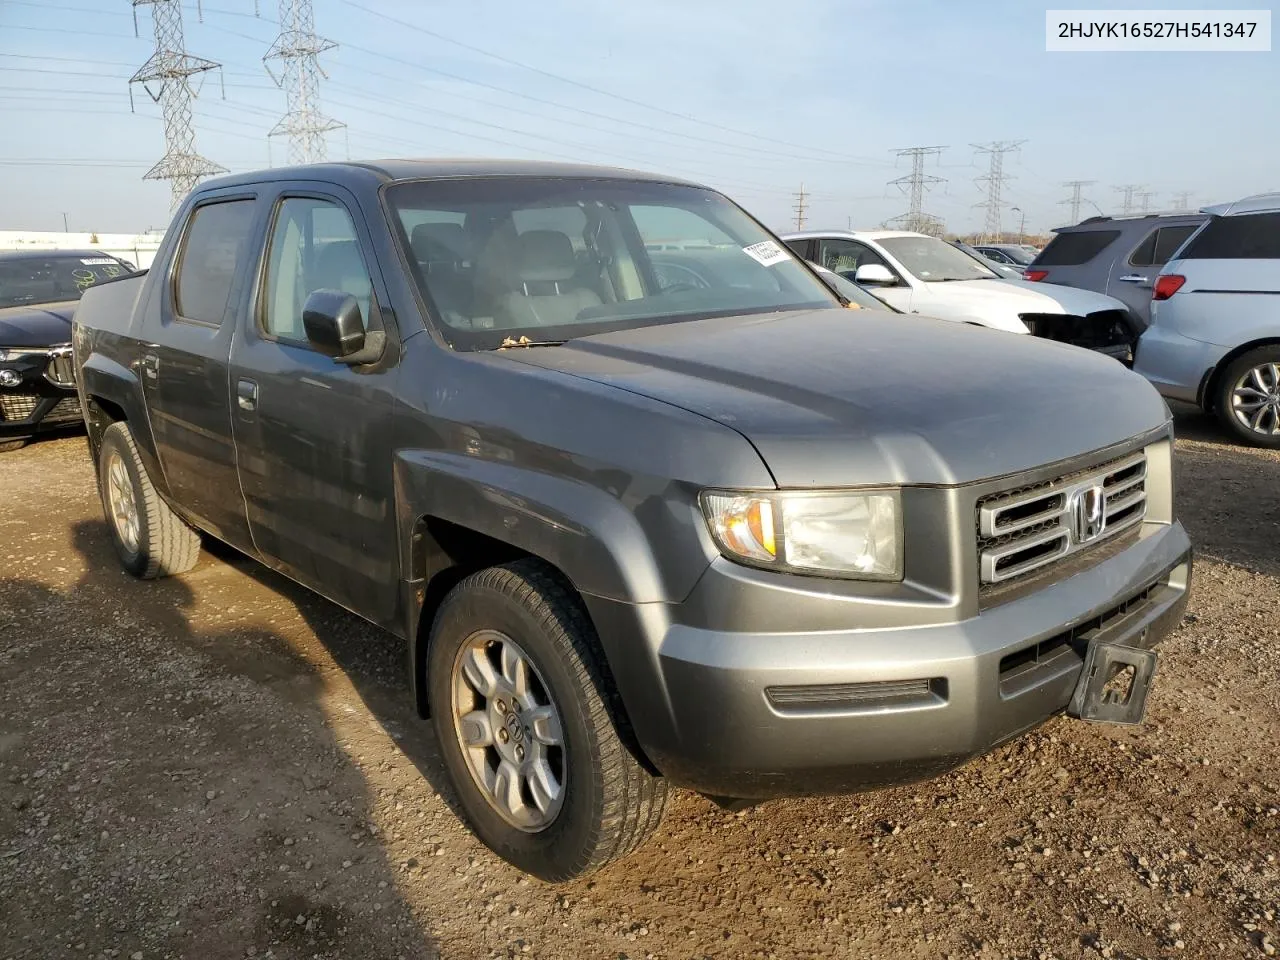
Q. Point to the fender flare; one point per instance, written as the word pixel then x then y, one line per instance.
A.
pixel 100 378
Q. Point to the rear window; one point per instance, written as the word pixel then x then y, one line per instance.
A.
pixel 1073 249
pixel 1160 245
pixel 1254 236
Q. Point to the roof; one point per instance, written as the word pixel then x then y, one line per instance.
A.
pixel 1258 203
pixel 411 169
pixel 852 234
pixel 1144 220
pixel 53 252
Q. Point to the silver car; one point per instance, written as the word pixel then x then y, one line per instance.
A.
pixel 1214 338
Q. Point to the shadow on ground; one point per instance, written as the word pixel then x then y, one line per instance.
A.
pixel 182 791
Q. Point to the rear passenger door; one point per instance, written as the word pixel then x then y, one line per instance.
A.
pixel 187 333
pixel 314 436
pixel 1133 277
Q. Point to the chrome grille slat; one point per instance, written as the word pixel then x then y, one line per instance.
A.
pixel 1028 528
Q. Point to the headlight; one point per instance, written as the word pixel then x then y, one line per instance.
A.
pixel 854 535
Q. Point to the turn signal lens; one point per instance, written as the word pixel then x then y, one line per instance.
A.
pixel 742 525
pixel 1167 286
pixel 1034 275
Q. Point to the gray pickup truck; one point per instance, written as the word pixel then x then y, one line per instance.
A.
pixel 647 505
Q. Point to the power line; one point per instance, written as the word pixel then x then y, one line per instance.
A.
pixel 1130 190
pixel 298 49
pixel 914 185
pixel 1076 198
pixel 994 180
pixel 171 67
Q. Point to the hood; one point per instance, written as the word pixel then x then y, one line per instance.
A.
pixel 843 397
pixel 1022 296
pixel 39 325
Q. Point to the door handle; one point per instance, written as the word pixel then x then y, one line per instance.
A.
pixel 150 365
pixel 1132 278
pixel 247 394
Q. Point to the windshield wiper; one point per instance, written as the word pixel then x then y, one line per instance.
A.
pixel 526 342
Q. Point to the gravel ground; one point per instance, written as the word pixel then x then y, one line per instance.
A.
pixel 224 766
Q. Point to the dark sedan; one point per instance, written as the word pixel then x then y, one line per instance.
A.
pixel 38 292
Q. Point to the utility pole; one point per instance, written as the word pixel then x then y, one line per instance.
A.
pixel 914 185
pixel 1022 221
pixel 1182 202
pixel 1144 197
pixel 1076 198
pixel 1130 190
pixel 298 49
pixel 65 228
pixel 994 181
pixel 166 78
pixel 800 207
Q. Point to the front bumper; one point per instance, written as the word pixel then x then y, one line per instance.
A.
pixel 758 715
pixel 35 403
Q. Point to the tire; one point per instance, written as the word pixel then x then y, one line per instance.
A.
pixel 1256 375
pixel 608 803
pixel 157 543
pixel 8 446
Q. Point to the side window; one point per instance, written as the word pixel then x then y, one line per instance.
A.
pixel 1076 247
pixel 212 252
pixel 313 247
pixel 1250 236
pixel 1159 245
pixel 800 248
pixel 846 256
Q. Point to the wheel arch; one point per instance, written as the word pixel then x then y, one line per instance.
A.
pixel 1212 380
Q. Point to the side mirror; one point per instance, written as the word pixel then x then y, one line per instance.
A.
pixel 875 274
pixel 333 323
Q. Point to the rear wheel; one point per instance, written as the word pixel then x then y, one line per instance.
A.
pixel 151 540
pixel 523 711
pixel 1248 401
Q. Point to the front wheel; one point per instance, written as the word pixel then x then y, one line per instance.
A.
pixel 524 715
pixel 150 539
pixel 1248 400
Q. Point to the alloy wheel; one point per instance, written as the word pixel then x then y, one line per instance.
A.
pixel 1255 399
pixel 509 730
pixel 122 503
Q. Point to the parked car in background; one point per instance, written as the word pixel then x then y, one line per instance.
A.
pixel 635 532
pixel 1003 270
pixel 924 275
pixel 1214 337
pixel 1011 254
pixel 1118 256
pixel 38 292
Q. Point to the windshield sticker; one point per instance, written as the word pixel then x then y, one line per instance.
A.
pixel 766 253
pixel 84 278
pixel 96 261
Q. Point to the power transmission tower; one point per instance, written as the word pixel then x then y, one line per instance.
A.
pixel 914 185
pixel 167 79
pixel 1077 198
pixel 1130 190
pixel 1182 202
pixel 298 50
pixel 800 207
pixel 1144 199
pixel 994 182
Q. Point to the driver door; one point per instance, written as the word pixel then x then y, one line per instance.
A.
pixel 844 256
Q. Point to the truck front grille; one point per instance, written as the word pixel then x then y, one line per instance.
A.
pixel 1026 529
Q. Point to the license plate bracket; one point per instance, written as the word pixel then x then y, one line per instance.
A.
pixel 1114 683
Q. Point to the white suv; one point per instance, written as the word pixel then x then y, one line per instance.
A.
pixel 921 274
pixel 1214 338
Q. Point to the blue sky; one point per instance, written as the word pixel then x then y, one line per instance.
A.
pixel 752 96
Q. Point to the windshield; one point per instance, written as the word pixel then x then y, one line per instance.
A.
pixel 30 280
pixel 935 260
pixel 499 259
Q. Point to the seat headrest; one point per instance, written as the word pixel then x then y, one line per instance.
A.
pixel 339 267
pixel 436 242
pixel 544 255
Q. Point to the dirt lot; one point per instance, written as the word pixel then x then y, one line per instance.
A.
pixel 224 766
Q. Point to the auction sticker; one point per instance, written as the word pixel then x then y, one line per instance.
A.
pixel 96 261
pixel 766 253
